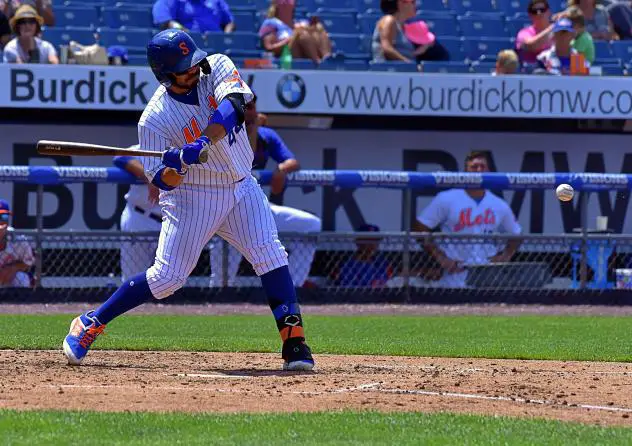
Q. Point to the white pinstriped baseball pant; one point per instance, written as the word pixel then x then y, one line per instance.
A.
pixel 239 213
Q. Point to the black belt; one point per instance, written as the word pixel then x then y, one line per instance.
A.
pixel 151 215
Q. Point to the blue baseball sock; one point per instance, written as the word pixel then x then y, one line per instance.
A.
pixel 134 292
pixel 281 294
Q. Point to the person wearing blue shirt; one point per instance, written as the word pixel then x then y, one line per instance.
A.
pixel 194 15
pixel 267 144
pixel 366 267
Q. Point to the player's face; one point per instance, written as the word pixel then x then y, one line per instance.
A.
pixel 477 165
pixel 186 80
pixel 251 113
pixel 4 225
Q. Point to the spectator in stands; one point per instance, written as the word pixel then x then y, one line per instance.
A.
pixel 535 38
pixel 468 211
pixel 5 31
pixel 583 42
pixel 16 254
pixel 194 15
pixel 305 41
pixel 43 7
pixel 366 267
pixel 26 47
pixel 596 19
pixel 620 13
pixel 506 62
pixel 557 60
pixel 400 35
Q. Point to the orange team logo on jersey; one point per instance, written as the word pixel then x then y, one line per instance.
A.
pixel 234 78
pixel 193 133
pixel 212 103
pixel 466 220
pixel 185 49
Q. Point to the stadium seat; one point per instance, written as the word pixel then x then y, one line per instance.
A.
pixel 330 5
pixel 137 60
pixel 343 65
pixel 442 26
pixel 602 49
pixel 347 43
pixel 394 66
pixel 483 67
pixel 432 5
pixel 465 7
pixel 511 8
pixel 118 17
pixel 237 40
pixel 87 16
pixel 338 23
pixel 445 67
pixel 238 4
pixel 454 45
pixel 368 5
pixel 480 26
pixel 475 48
pixel 366 23
pixel 127 38
pixel 303 64
pixel 140 3
pixel 612 70
pixel 245 21
pixel 57 36
pixel 240 52
pixel 622 49
pixel 607 61
pixel 514 25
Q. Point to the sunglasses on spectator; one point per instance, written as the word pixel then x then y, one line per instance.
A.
pixel 28 21
pixel 4 218
pixel 538 11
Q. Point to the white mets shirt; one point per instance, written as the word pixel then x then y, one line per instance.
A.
pixel 455 212
pixel 167 122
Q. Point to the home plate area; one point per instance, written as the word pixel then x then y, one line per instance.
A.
pixel 253 382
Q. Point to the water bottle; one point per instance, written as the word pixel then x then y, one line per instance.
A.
pixel 286 58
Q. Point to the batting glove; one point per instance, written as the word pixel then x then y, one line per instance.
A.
pixel 193 153
pixel 173 158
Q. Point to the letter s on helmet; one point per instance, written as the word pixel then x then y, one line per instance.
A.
pixel 174 51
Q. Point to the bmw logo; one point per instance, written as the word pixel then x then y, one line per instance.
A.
pixel 291 90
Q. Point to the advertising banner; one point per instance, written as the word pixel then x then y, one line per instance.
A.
pixel 335 92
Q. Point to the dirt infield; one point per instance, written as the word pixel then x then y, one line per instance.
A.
pixel 597 393
pixel 590 392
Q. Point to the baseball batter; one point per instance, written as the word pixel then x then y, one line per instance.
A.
pixel 141 214
pixel 267 144
pixel 471 211
pixel 199 108
pixel 16 256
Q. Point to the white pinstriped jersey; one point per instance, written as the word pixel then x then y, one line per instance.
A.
pixel 167 122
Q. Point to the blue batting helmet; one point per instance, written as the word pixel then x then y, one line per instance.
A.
pixel 172 51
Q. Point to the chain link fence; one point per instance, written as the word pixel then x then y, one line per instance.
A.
pixel 367 266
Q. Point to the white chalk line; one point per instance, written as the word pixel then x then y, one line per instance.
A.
pixel 497 398
pixel 210 375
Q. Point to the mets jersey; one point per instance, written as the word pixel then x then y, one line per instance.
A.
pixel 168 122
pixel 455 212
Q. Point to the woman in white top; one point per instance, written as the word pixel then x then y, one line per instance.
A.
pixel 26 47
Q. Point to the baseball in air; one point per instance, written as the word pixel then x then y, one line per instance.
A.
pixel 565 192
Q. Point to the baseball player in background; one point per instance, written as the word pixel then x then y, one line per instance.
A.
pixel 199 110
pixel 16 255
pixel 141 214
pixel 468 211
pixel 266 144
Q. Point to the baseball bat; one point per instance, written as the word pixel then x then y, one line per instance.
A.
pixel 60 148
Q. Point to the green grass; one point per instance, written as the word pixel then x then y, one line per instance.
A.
pixel 358 428
pixel 523 337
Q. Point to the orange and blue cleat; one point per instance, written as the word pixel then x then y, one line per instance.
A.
pixel 84 330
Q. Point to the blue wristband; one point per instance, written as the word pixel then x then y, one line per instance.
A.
pixel 157 180
pixel 225 116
